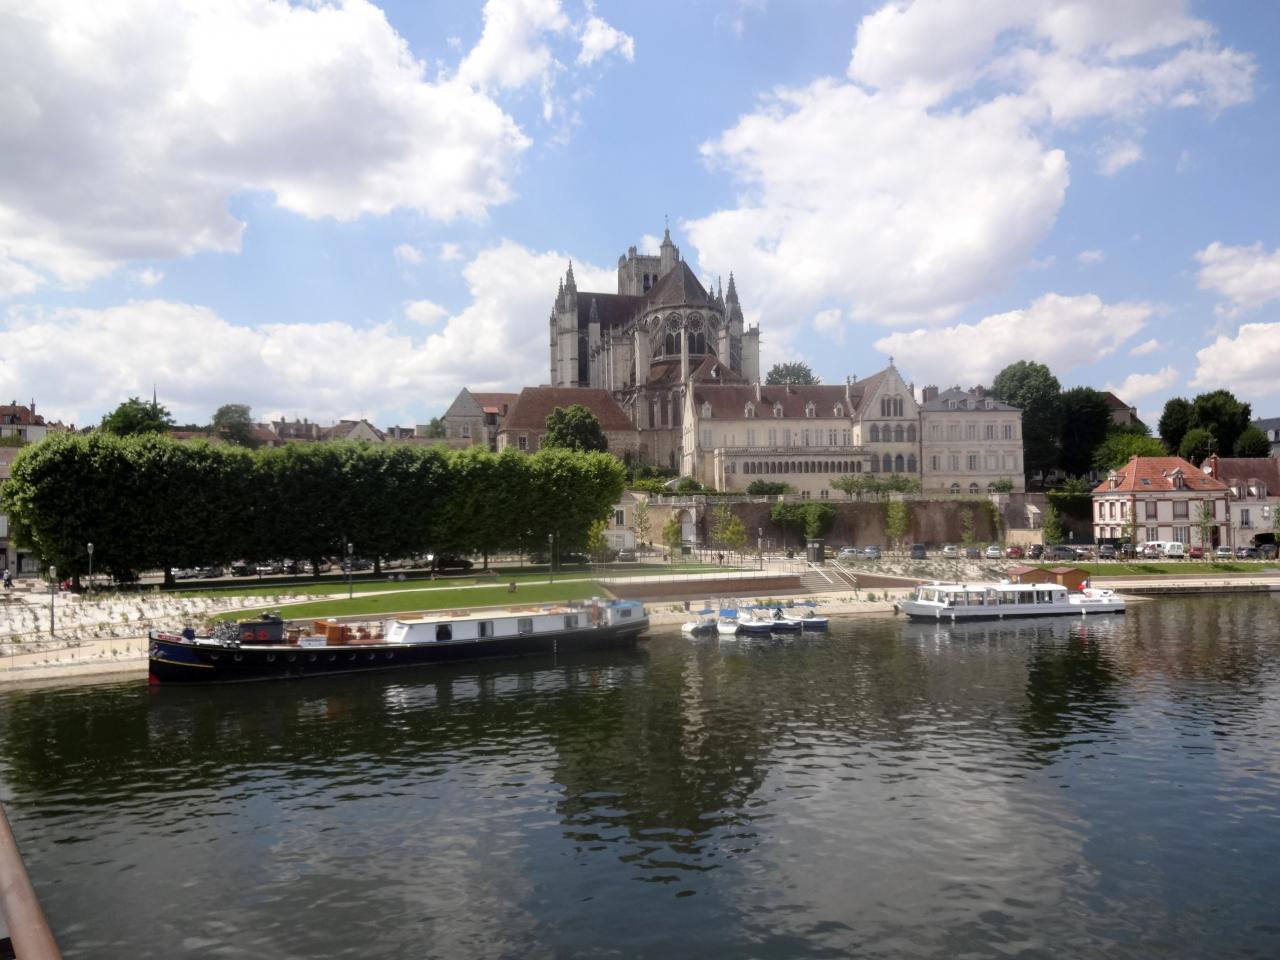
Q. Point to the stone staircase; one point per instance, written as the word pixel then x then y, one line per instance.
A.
pixel 826 579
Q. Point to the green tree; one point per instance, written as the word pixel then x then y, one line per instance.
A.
pixel 720 517
pixel 574 428
pixel 232 423
pixel 819 518
pixel 1086 417
pixel 596 542
pixel 796 372
pixel 895 521
pixel 1119 448
pixel 1197 444
pixel 851 484
pixel 1206 521
pixel 1033 389
pixel 640 520
pixel 768 488
pixel 672 534
pixel 1252 442
pixel 790 517
pixel 136 416
pixel 1222 415
pixel 734 535
pixel 436 430
pixel 967 528
pixel 1003 485
pixel 1053 530
pixel 1175 421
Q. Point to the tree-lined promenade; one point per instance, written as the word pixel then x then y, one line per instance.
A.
pixel 148 502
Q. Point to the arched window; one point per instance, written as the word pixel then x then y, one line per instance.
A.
pixel 911 433
pixel 699 343
pixel 973 488
pixel 875 433
pixel 751 410
pixel 955 488
pixel 899 464
pixel 706 409
pixel 991 487
pixel 898 433
pixel 857 466
pixel 875 464
pixel 808 409
pixel 777 409
pixel 911 463
pixel 672 347
pixel 886 464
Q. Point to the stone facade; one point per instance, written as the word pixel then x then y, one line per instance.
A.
pixel 969 442
pixel 1163 498
pixel 526 422
pixel 473 419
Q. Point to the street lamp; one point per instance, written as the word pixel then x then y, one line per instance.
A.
pixel 351 565
pixel 89 547
pixel 551 558
pixel 53 592
pixel 760 546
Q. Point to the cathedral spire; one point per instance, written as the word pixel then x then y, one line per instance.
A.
pixel 569 282
pixel 732 295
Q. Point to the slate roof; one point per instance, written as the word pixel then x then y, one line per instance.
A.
pixel 1240 470
pixel 729 401
pixel 612 309
pixel 1154 475
pixel 964 400
pixel 1268 424
pixel 534 405
pixel 677 287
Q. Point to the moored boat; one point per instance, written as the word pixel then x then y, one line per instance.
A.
pixel 991 601
pixel 704 622
pixel 260 650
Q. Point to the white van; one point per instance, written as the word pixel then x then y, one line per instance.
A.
pixel 1152 550
pixel 1174 550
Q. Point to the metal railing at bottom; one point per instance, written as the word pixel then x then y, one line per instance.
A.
pixel 29 936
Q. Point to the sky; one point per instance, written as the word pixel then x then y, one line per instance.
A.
pixel 344 210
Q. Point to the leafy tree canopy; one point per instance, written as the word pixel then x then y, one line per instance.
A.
pixel 1175 421
pixel 436 429
pixel 1119 447
pixel 136 416
pixel 575 428
pixel 1035 390
pixel 1252 442
pixel 795 372
pixel 1086 419
pixel 1197 444
pixel 1222 415
pixel 768 488
pixel 232 423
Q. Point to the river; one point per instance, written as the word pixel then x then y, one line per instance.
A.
pixel 1034 789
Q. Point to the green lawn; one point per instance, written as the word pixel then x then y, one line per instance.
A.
pixel 403 601
pixel 1141 569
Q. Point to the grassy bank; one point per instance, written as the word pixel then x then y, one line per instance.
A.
pixel 408 600
pixel 1183 568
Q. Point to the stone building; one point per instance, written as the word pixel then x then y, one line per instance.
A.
pixel 969 442
pixel 1163 498
pixel 473 419
pixel 526 421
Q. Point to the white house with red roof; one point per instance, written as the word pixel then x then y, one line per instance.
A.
pixel 1165 498
pixel 1254 484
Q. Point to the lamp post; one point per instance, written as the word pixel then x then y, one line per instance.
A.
pixel 351 566
pixel 53 593
pixel 551 558
pixel 760 546
pixel 89 547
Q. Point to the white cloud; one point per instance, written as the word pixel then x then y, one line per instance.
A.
pixel 926 181
pixel 407 253
pixel 15 279
pixel 1060 332
pixel 126 131
pixel 1116 156
pixel 81 363
pixel 424 312
pixel 450 253
pixel 148 276
pixel 512 50
pixel 1145 348
pixel 599 39
pixel 1090 256
pixel 1138 385
pixel 831 323
pixel 1248 277
pixel 1246 362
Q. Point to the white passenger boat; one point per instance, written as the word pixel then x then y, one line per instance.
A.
pixel 991 601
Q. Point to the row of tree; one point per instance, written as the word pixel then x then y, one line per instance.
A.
pixel 148 501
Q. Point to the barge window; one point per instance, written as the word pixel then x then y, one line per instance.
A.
pixel 444 631
pixel 624 612
pixel 485 628
pixel 524 625
pixel 570 621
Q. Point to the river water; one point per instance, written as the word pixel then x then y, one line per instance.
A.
pixel 1042 789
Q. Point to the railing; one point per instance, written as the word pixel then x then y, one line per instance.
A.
pixel 29 933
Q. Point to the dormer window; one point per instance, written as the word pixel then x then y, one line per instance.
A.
pixel 809 410
pixel 839 410
pixel 750 411
pixel 706 410
pixel 777 409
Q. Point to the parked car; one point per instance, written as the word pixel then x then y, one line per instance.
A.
pixel 849 553
pixel 324 566
pixel 626 556
pixel 453 563
pixel 269 567
pixel 1059 552
pixel 972 553
pixel 1128 551
pixel 871 552
pixel 1107 551
pixel 1195 553
pixel 994 552
pixel 1083 553
pixel 1153 550
pixel 918 552
pixel 1035 551
pixel 1247 553
pixel 1223 553
pixel 1014 552
pixel 1267 551
pixel 357 563
pixel 950 550
pixel 184 573
pixel 241 569
pixel 206 573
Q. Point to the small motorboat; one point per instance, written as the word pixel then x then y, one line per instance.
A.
pixel 727 626
pixel 805 621
pixel 751 622
pixel 704 622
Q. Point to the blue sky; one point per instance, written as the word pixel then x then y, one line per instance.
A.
pixel 338 210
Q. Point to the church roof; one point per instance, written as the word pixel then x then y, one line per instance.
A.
pixel 677 287
pixel 729 401
pixel 534 405
pixel 497 403
pixel 612 309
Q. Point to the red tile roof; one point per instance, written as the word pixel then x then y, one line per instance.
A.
pixel 729 402
pixel 497 403
pixel 534 405
pixel 16 413
pixel 1154 474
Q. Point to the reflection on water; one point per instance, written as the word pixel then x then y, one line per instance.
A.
pixel 1048 788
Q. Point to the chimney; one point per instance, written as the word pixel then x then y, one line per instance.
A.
pixel 1113 478
pixel 929 393
pixel 1211 466
pixel 848 397
pixel 757 391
